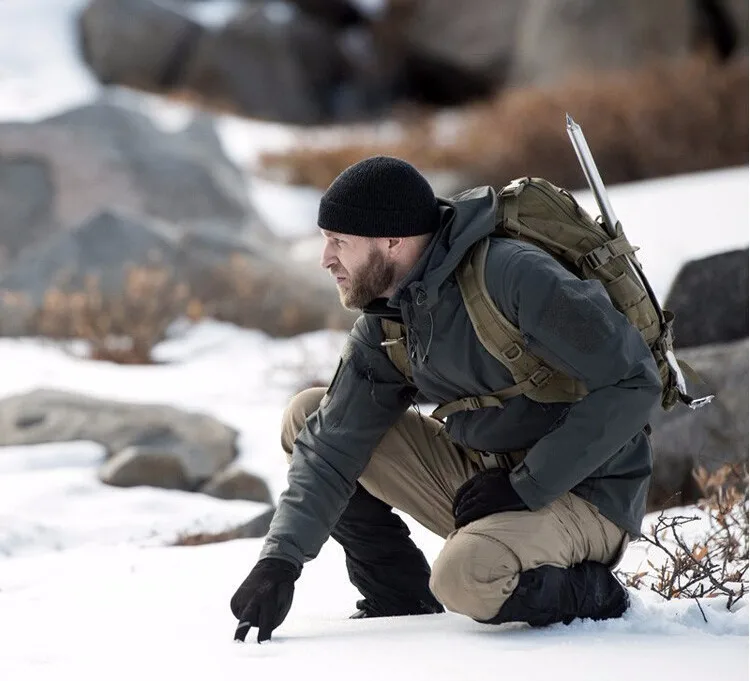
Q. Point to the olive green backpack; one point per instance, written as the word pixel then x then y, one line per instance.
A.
pixel 536 211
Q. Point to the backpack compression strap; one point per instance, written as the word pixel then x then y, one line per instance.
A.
pixel 505 343
pixel 395 346
pixel 501 339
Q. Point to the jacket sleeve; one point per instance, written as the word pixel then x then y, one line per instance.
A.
pixel 572 324
pixel 365 398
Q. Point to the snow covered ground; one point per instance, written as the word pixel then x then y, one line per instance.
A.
pixel 89 586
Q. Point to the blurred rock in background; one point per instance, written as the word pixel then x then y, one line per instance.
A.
pixel 103 208
pixel 709 298
pixel 100 201
pixel 109 155
pixel 312 62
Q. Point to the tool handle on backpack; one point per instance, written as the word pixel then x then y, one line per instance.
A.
pixel 613 228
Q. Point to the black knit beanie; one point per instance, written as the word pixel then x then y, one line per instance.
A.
pixel 379 197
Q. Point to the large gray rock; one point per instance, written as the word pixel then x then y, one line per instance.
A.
pixel 739 14
pixel 136 466
pixel 722 26
pixel 340 13
pixel 557 38
pixel 683 440
pixel 709 298
pixel 109 156
pixel 235 483
pixel 229 280
pixel 139 43
pixel 26 203
pixel 265 63
pixel 101 248
pixel 182 446
pixel 476 39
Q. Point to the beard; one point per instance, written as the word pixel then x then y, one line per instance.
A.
pixel 368 282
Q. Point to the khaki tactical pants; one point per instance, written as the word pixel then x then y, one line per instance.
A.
pixel 417 469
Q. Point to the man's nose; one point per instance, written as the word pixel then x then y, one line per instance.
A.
pixel 327 258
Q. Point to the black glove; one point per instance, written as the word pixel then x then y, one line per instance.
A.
pixel 486 493
pixel 264 598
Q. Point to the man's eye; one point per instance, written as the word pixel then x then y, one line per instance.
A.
pixel 338 242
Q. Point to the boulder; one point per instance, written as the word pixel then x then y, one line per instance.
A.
pixel 235 483
pixel 739 13
pixel 339 13
pixel 152 466
pixel 278 65
pixel 683 440
pixel 709 298
pixel 558 38
pixel 722 27
pixel 138 275
pixel 179 448
pixel 476 41
pixel 110 156
pixel 139 43
pixel 100 248
pixel 26 203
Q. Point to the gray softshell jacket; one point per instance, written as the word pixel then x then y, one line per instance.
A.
pixel 596 448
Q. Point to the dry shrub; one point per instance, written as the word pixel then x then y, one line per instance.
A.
pixel 125 327
pixel 673 117
pixel 252 294
pixel 121 328
pixel 202 538
pixel 715 564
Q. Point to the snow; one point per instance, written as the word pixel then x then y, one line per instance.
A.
pixel 680 218
pixel 86 570
pixel 90 585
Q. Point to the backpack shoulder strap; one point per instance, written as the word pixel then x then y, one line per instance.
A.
pixel 395 346
pixel 505 343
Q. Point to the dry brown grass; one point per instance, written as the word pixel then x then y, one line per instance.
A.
pixel 670 118
pixel 125 327
pixel 122 328
pixel 715 565
pixel 203 538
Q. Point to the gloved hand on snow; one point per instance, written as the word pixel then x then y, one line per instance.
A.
pixel 486 493
pixel 264 598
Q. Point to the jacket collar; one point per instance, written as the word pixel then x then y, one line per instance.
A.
pixel 464 220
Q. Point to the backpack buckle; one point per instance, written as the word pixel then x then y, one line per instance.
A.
pixel 540 377
pixel 596 259
pixel 512 353
pixel 471 403
pixel 515 187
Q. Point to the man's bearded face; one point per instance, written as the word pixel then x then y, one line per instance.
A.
pixel 363 281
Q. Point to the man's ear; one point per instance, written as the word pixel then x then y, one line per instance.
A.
pixel 395 246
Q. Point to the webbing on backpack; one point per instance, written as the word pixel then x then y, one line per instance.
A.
pixel 538 212
pixel 395 345
pixel 532 376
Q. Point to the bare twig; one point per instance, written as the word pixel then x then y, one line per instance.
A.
pixel 716 565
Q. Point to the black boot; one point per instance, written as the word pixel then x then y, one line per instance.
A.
pixel 382 561
pixel 420 608
pixel 548 594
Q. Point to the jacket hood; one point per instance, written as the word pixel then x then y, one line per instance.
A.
pixel 465 219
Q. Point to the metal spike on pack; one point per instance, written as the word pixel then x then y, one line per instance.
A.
pixel 612 227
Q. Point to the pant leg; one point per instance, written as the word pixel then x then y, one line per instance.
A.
pixel 415 468
pixel 479 565
pixel 382 561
